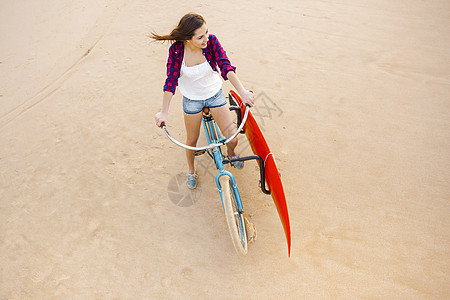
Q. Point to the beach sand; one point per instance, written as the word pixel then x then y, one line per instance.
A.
pixel 353 98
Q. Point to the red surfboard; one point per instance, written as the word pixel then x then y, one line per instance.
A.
pixel 259 147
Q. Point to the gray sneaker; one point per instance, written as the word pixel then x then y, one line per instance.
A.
pixel 191 180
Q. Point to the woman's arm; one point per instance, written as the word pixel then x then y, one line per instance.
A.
pixel 173 72
pixel 247 96
pixel 161 117
pixel 227 70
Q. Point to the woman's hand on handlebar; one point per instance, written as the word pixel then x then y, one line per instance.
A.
pixel 248 98
pixel 160 118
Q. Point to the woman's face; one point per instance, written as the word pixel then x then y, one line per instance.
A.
pixel 200 38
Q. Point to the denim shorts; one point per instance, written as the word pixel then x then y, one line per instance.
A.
pixel 195 106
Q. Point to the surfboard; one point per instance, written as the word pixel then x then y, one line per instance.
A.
pixel 273 179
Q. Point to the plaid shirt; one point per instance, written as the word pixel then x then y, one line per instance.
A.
pixel 214 53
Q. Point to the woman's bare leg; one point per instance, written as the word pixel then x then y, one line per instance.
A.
pixel 192 124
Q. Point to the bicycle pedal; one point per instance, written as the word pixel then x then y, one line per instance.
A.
pixel 199 152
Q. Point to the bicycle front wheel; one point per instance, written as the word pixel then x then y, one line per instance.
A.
pixel 234 217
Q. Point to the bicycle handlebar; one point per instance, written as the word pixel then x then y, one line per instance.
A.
pixel 163 126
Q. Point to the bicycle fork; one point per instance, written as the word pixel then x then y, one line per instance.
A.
pixel 234 190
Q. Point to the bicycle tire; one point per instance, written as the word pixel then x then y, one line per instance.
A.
pixel 235 219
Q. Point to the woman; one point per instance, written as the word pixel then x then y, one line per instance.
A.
pixel 193 64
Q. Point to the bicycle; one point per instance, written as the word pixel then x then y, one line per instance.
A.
pixel 225 181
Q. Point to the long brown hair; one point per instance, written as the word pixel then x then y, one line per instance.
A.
pixel 184 31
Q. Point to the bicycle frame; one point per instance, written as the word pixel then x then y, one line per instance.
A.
pixel 215 140
pixel 213 136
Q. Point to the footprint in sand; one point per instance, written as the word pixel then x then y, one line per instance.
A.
pixel 251 230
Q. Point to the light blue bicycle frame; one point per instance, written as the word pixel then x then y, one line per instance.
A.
pixel 213 136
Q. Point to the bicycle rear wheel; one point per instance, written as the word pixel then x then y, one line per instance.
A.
pixel 234 217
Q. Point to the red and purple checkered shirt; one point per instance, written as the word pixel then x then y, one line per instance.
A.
pixel 214 53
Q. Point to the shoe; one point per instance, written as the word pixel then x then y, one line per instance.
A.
pixel 191 180
pixel 237 164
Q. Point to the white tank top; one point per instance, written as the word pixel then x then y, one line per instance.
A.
pixel 199 82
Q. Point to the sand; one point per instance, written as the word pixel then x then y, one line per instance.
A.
pixel 352 96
